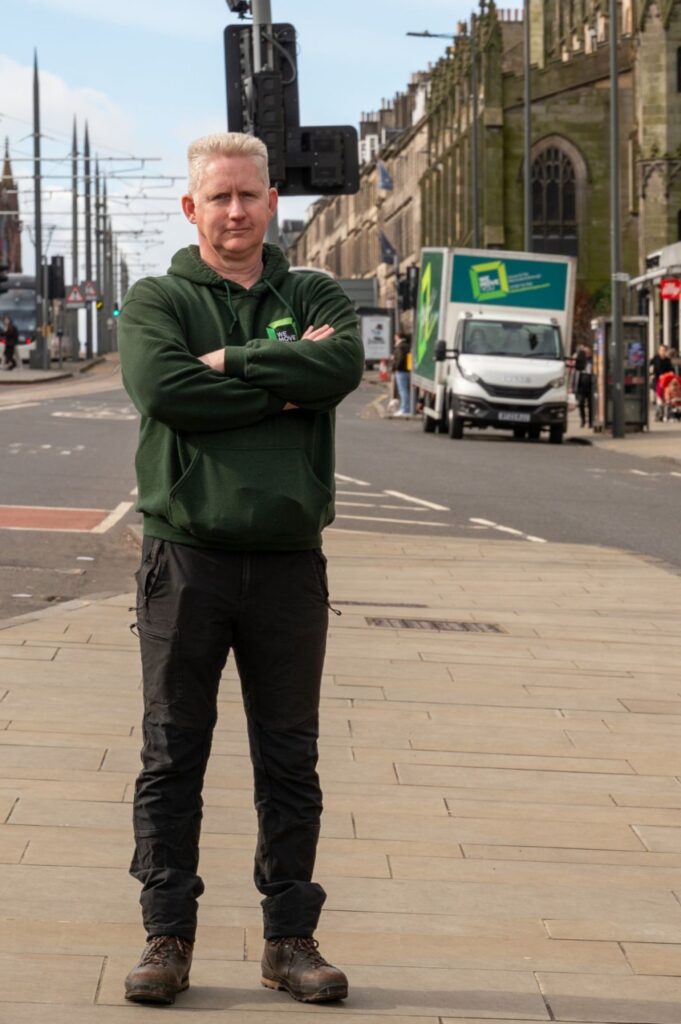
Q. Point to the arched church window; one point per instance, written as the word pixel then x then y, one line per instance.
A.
pixel 554 203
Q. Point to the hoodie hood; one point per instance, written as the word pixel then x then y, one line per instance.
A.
pixel 187 263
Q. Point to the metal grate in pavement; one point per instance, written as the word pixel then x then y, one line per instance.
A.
pixel 384 604
pixel 435 625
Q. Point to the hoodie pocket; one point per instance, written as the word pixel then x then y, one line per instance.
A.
pixel 265 498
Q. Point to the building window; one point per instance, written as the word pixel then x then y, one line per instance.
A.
pixel 554 203
pixel 678 69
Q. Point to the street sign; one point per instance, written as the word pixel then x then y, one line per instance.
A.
pixel 89 290
pixel 74 298
pixel 670 289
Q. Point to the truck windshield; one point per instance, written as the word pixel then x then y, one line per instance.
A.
pixel 513 339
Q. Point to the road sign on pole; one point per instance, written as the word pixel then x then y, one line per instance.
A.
pixel 89 290
pixel 74 298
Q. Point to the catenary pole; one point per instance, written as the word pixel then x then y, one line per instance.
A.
pixel 527 140
pixel 75 351
pixel 262 19
pixel 88 240
pixel 617 354
pixel 41 345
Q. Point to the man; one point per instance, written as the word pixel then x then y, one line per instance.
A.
pixel 401 359
pixel 236 366
pixel 11 342
pixel 584 375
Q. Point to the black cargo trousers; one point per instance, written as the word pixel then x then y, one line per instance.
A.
pixel 271 608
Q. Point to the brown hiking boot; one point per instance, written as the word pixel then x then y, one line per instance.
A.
pixel 162 972
pixel 297 966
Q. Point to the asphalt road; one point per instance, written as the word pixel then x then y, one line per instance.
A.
pixel 71 447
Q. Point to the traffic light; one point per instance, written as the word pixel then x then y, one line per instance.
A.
pixel 115 311
pixel 55 278
pixel 302 160
pixel 4 279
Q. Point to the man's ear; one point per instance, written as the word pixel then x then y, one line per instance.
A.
pixel 189 208
pixel 272 200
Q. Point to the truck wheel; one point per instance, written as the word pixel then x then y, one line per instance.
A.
pixel 519 433
pixel 556 431
pixel 429 423
pixel 455 425
pixel 534 432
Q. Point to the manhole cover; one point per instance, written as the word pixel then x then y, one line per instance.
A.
pixel 435 625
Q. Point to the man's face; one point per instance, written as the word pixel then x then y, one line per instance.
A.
pixel 231 209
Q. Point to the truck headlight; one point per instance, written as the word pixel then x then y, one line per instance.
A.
pixel 558 382
pixel 469 375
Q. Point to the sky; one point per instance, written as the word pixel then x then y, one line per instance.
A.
pixel 148 76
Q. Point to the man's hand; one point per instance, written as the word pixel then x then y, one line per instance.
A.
pixel 215 360
pixel 317 333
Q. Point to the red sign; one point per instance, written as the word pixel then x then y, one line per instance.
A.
pixel 670 289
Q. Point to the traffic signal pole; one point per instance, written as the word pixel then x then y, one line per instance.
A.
pixel 262 19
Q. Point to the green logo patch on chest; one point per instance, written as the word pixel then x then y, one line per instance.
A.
pixel 283 330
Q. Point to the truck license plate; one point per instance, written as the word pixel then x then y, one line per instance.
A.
pixel 515 417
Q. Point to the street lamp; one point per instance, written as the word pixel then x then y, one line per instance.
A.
pixel 474 114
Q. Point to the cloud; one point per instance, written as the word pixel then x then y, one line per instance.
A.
pixel 59 102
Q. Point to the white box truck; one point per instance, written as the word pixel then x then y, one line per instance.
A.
pixel 492 332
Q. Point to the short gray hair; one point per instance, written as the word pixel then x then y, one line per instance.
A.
pixel 203 150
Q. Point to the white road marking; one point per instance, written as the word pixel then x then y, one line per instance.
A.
pixel 364 494
pixel 639 472
pixel 19 405
pixel 356 504
pixel 22 595
pixel 113 517
pixel 133 492
pixel 84 558
pixel 403 522
pixel 417 501
pixel 351 480
pixel 507 529
pixel 675 474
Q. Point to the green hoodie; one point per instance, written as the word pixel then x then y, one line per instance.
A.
pixel 219 464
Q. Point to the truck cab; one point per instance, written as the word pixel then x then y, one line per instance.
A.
pixel 507 372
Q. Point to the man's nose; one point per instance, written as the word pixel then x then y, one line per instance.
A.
pixel 236 209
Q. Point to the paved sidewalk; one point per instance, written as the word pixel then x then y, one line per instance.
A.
pixel 502 834
pixel 25 375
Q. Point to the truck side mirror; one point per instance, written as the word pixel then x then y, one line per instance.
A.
pixel 440 351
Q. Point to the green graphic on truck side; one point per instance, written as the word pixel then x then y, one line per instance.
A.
pixel 539 284
pixel 428 318
pixel 489 281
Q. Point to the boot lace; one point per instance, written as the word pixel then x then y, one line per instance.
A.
pixel 309 947
pixel 160 948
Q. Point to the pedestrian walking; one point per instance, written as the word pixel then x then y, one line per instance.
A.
pixel 11 341
pixel 401 361
pixel 236 366
pixel 584 381
pixel 659 364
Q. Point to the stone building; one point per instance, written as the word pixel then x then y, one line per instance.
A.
pixel 10 225
pixel 570 88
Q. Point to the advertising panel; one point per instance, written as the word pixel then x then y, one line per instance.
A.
pixel 536 284
pixel 376 336
pixel 428 313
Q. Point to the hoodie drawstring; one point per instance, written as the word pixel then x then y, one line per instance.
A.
pixel 284 303
pixel 231 307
